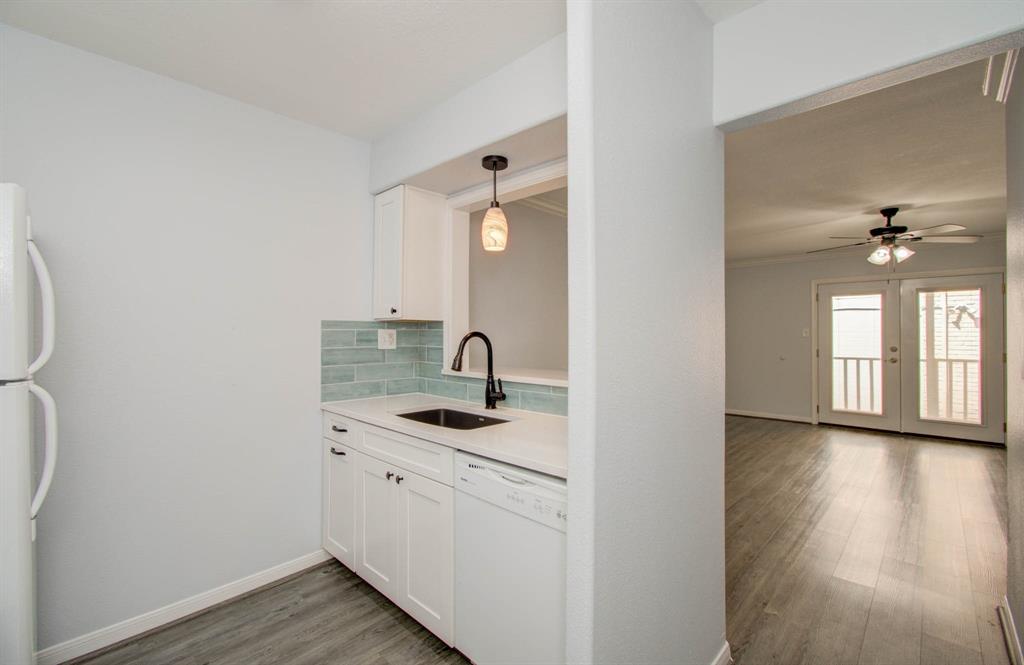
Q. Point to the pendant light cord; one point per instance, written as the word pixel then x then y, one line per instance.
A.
pixel 494 172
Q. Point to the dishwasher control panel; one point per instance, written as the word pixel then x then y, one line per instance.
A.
pixel 530 494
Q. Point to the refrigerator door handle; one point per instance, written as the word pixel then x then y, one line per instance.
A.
pixel 46 290
pixel 50 447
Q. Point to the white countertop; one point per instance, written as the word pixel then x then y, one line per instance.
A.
pixel 535 441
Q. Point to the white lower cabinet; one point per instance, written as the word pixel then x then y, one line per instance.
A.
pixel 426 563
pixel 339 515
pixel 377 524
pixel 394 528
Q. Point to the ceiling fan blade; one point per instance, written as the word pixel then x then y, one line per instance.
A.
pixel 828 249
pixel 962 240
pixel 932 230
pixel 851 238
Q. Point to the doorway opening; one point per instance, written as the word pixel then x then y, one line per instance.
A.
pixel 859 515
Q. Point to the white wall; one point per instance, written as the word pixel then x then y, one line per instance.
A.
pixel 1015 351
pixel 646 541
pixel 525 93
pixel 520 297
pixel 767 307
pixel 785 50
pixel 195 244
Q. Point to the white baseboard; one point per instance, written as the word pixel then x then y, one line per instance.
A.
pixel 123 630
pixel 1010 633
pixel 769 416
pixel 724 656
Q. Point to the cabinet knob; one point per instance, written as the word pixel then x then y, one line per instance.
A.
pixel 388 475
pixel 399 479
pixel 337 452
pixel 338 429
pixel 394 311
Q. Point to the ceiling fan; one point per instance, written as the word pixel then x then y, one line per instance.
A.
pixel 892 240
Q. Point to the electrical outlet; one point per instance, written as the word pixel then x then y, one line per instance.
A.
pixel 806 332
pixel 387 339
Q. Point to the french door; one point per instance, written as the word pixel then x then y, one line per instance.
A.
pixel 922 356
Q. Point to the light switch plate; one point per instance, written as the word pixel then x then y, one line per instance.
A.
pixel 387 339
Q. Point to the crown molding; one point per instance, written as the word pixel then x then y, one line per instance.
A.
pixel 544 205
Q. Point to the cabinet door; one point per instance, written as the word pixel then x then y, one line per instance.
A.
pixel 339 513
pixel 388 216
pixel 376 524
pixel 425 553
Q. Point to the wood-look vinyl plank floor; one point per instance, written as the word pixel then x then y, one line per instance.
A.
pixel 843 547
pixel 852 547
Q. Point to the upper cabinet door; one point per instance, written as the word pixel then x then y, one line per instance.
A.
pixel 388 218
pixel 408 241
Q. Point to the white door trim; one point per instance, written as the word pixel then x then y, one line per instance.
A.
pixel 988 270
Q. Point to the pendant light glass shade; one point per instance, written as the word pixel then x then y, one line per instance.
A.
pixel 880 256
pixel 902 253
pixel 494 230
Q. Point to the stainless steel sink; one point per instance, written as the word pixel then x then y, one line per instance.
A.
pixel 452 419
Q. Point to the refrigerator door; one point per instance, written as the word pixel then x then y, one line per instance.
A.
pixel 17 581
pixel 15 321
pixel 47 304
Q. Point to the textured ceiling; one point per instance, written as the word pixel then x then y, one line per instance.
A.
pixel 719 10
pixel 359 67
pixel 529 148
pixel 933 146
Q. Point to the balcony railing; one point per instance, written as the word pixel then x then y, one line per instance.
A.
pixel 864 372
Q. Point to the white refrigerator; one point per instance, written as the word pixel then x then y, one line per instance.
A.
pixel 19 500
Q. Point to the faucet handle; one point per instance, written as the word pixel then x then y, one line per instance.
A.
pixel 501 391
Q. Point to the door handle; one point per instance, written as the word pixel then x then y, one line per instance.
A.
pixel 893 360
pixel 388 475
pixel 337 452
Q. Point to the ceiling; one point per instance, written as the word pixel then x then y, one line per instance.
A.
pixel 933 146
pixel 359 67
pixel 719 10
pixel 527 149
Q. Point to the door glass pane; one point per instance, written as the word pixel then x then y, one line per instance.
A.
pixel 857 353
pixel 949 339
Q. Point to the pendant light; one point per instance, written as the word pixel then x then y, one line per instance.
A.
pixel 494 229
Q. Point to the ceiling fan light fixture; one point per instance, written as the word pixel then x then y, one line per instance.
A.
pixel 880 256
pixel 902 253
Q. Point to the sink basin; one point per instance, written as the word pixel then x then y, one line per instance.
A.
pixel 452 419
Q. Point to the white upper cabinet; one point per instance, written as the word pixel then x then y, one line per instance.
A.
pixel 408 234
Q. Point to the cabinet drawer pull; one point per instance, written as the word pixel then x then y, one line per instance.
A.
pixel 388 475
pixel 399 479
pixel 337 452
pixel 338 429
pixel 394 311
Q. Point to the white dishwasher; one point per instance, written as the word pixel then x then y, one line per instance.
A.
pixel 509 563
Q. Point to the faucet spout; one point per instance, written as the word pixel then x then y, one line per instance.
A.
pixel 492 394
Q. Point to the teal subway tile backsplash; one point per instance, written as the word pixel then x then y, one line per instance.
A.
pixel 350 356
pixel 385 371
pixel 353 368
pixel 356 390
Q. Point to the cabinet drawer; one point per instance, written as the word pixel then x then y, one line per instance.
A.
pixel 429 460
pixel 338 428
